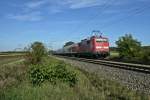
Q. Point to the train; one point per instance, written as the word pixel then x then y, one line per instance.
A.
pixel 96 46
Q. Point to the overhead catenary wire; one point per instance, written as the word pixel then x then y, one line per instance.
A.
pixel 132 12
pixel 136 12
pixel 106 5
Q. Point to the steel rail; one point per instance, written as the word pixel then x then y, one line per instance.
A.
pixel 127 66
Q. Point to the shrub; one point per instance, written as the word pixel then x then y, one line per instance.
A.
pixel 52 73
pixel 60 72
pixel 35 53
pixel 145 56
pixel 36 74
pixel 128 47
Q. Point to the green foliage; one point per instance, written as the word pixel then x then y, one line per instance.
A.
pixel 35 53
pixel 145 56
pixel 15 85
pixel 128 47
pixel 44 92
pixel 52 73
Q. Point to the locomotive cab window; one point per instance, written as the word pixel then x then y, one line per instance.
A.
pixel 79 44
pixel 88 42
pixel 101 40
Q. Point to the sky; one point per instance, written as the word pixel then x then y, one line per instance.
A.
pixel 55 22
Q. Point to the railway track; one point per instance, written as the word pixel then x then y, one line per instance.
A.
pixel 127 66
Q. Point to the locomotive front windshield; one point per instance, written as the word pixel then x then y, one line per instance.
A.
pixel 101 40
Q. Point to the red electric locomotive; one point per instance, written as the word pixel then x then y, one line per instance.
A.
pixel 95 46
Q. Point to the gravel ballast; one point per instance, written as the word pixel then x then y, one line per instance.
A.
pixel 131 79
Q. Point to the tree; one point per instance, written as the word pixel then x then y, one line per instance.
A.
pixel 128 46
pixel 68 43
pixel 36 52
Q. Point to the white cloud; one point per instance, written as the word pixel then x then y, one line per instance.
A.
pixel 76 4
pixel 34 16
pixel 70 4
pixel 31 10
pixel 35 4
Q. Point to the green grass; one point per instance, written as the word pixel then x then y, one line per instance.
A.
pixel 114 54
pixel 46 91
pixel 17 86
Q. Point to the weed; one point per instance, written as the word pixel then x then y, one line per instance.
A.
pixel 52 73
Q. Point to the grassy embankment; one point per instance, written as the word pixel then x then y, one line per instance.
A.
pixel 114 55
pixel 15 84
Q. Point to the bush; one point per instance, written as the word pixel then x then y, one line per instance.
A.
pixel 35 53
pixel 128 47
pixel 52 73
pixel 145 56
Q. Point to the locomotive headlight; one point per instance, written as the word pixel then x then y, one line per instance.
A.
pixel 98 47
pixel 105 47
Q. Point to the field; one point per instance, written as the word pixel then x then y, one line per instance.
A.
pixel 15 84
pixel 5 59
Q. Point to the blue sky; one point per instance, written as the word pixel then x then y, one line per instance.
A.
pixel 55 22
